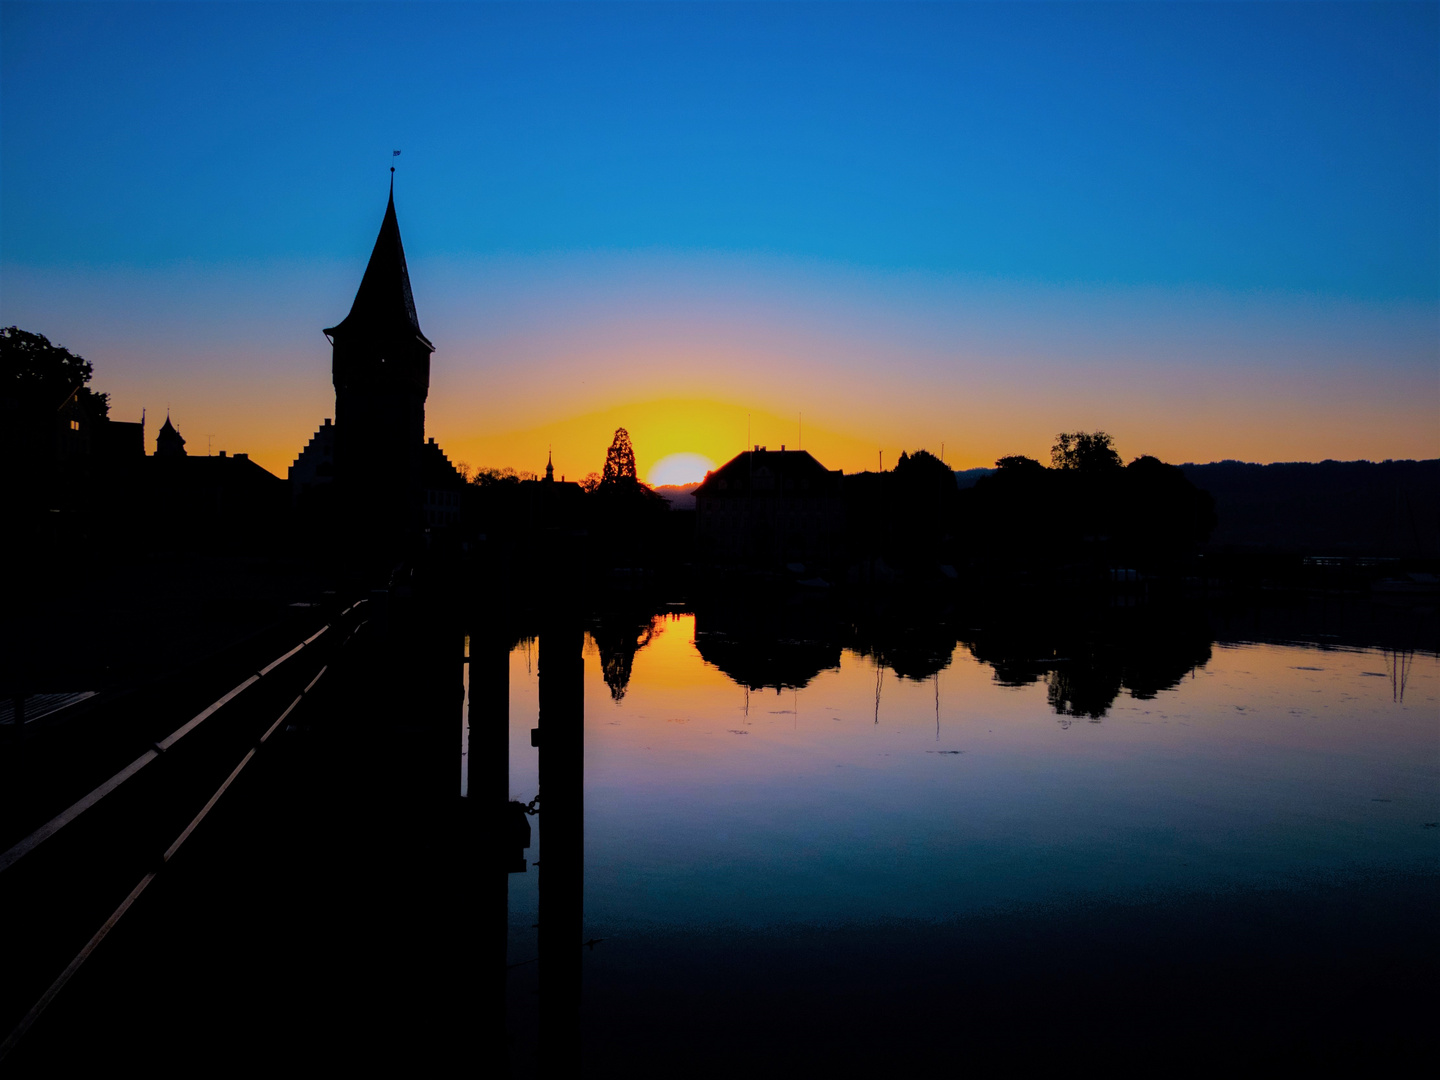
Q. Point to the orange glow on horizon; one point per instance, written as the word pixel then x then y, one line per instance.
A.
pixel 659 430
pixel 274 430
pixel 688 355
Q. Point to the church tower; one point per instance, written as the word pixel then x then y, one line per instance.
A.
pixel 381 370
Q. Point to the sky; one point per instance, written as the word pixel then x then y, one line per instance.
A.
pixel 1212 230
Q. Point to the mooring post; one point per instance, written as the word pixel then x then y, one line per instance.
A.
pixel 562 816
pixel 495 850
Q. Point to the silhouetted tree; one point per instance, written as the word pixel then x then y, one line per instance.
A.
pixel 920 512
pixel 1087 511
pixel 1085 451
pixel 590 483
pixel 619 460
pixel 924 469
pixel 485 478
pixel 1018 463
pixel 626 516
pixel 35 371
pixel 1162 514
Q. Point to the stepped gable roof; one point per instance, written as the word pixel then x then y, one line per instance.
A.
pixel 437 471
pixel 384 304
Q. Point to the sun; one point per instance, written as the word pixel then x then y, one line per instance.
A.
pixel 679 469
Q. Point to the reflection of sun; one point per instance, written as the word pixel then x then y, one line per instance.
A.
pixel 671 662
pixel 679 469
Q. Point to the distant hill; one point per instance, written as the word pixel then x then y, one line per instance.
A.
pixel 1387 508
pixel 966 478
pixel 679 496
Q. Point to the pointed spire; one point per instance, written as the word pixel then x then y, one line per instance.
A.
pixel 384 304
pixel 169 442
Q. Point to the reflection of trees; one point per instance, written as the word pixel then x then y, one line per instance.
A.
pixel 915 645
pixel 1085 654
pixel 1081 691
pixel 1087 659
pixel 619 636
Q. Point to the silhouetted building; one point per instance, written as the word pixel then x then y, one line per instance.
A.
pixel 315 467
pixel 67 474
pixel 554 509
pixel 119 440
pixel 72 429
pixel 168 441
pixel 381 370
pixel 221 503
pixel 768 506
pixel 442 488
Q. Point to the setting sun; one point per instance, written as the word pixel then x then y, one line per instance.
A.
pixel 679 469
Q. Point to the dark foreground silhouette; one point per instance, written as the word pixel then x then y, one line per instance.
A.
pixel 230 809
pixel 343 907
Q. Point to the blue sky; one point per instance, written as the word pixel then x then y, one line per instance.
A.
pixel 1284 151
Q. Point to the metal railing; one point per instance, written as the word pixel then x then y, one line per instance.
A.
pixel 56 824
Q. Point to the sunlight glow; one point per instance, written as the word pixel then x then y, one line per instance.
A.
pixel 679 469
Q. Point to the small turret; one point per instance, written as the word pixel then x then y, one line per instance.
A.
pixel 169 442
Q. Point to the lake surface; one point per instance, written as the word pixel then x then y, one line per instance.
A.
pixel 802 834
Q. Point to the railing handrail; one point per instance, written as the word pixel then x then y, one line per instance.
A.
pixel 19 850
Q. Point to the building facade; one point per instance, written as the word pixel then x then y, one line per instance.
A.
pixel 770 507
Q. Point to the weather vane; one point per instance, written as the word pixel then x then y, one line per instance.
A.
pixel 393 155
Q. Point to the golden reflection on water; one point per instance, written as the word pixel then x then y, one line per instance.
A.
pixel 1266 762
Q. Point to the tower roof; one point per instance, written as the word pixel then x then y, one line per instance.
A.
pixel 384 304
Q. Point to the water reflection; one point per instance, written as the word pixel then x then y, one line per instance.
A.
pixel 912 780
pixel 1087 663
pixel 619 635
pixel 766 661
pixel 1086 659
pixel 1397 666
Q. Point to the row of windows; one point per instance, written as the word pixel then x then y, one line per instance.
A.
pixel 764 483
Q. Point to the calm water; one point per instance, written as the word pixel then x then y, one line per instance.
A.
pixel 864 803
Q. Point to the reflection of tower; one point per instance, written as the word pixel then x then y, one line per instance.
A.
pixel 381 369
